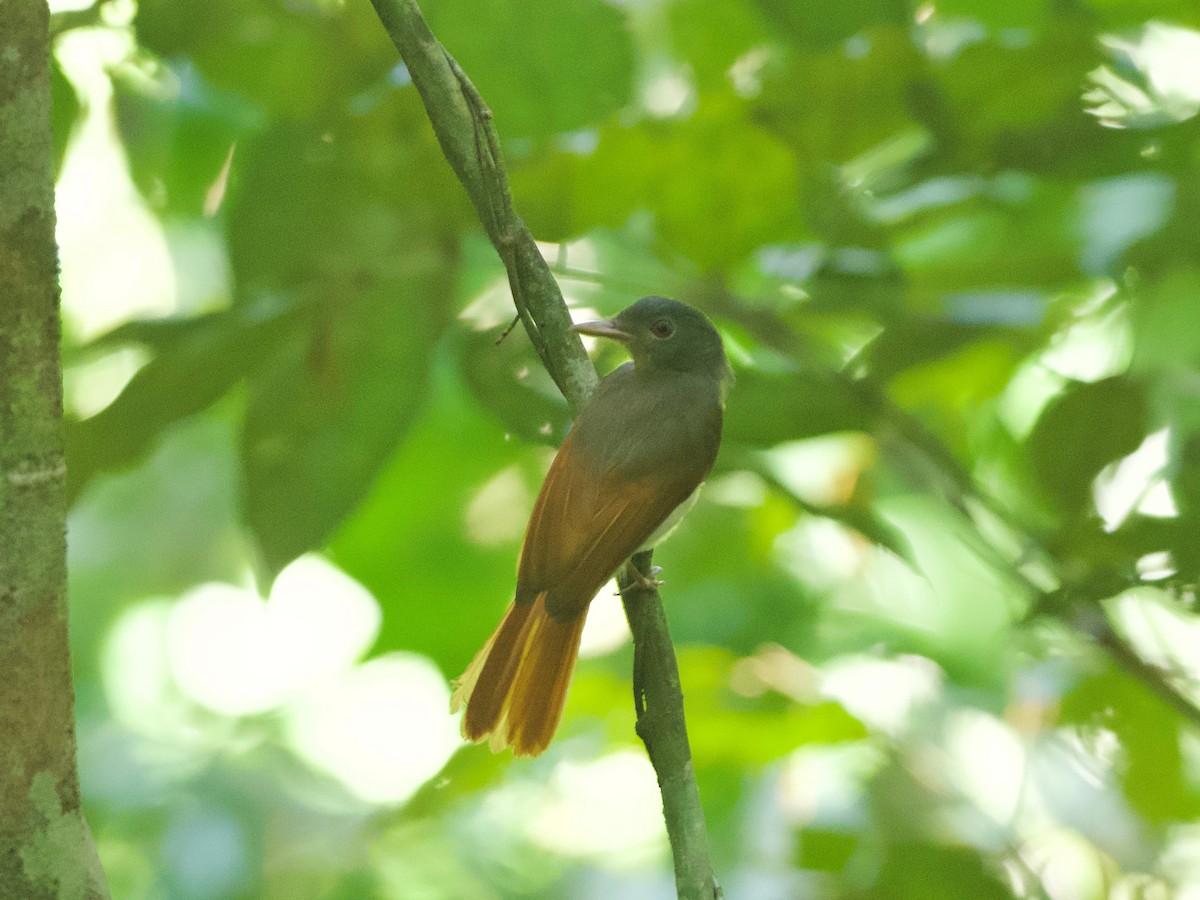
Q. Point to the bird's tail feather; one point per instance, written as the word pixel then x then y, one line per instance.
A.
pixel 515 688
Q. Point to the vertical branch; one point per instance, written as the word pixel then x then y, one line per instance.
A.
pixel 45 846
pixel 462 123
pixel 658 700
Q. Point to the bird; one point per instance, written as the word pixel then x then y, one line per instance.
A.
pixel 627 472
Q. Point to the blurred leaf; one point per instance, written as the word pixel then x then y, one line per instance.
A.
pixel 823 850
pixel 1154 775
pixel 197 361
pixel 1119 13
pixel 329 408
pixel 1166 324
pixel 769 408
pixel 913 871
pixel 921 339
pixel 364 201
pixel 179 135
pixel 976 117
pixel 336 213
pixel 470 769
pixel 408 542
pixel 718 185
pixel 1081 431
pixel 545 66
pixel 1013 14
pixel 724 729
pixel 834 106
pixel 510 382
pixel 711 36
pixel 1027 239
pixel 64 112
pixel 819 23
pixel 293 59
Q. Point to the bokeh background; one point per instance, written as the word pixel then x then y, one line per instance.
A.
pixel 935 611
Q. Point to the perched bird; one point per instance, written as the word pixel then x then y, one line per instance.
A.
pixel 623 478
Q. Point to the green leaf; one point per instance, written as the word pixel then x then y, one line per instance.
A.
pixel 544 66
pixel 1153 768
pixel 329 409
pixel 178 135
pixel 510 382
pixel 725 729
pixel 1081 431
pixel 833 107
pixel 768 408
pixel 917 871
pixel 64 111
pixel 197 361
pixel 717 184
pixel 711 36
pixel 293 59
pixel 410 542
pixel 820 23
pixel 825 850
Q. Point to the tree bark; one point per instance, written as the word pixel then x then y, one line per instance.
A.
pixel 46 849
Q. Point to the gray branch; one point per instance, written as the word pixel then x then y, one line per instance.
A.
pixel 462 122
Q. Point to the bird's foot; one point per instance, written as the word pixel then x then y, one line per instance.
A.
pixel 650 582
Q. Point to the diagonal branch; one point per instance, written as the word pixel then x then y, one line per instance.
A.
pixel 462 122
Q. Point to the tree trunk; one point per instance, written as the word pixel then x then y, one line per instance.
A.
pixel 45 846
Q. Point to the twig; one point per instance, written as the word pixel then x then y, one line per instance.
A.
pixel 462 123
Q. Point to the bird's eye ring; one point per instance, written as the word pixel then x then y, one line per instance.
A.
pixel 662 329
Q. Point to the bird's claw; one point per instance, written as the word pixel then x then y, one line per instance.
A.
pixel 650 582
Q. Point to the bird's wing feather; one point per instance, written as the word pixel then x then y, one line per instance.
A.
pixel 589 519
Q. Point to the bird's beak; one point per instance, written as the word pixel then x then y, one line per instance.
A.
pixel 604 328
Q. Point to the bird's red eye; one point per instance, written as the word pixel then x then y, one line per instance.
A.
pixel 662 329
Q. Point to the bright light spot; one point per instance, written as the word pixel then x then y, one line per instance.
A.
pixel 1168 60
pixel 744 490
pixel 321 620
pixel 822 471
pixel 775 668
pixel 137 672
pixel 824 784
pixel 381 729
pixel 923 13
pixel 987 762
pixel 609 808
pixel 1135 483
pixel 883 693
pixel 606 627
pixel 497 513
pixel 667 95
pixel 1094 347
pixel 492 306
pixel 1180 861
pixel 1026 395
pixel 115 262
pixel 1156 566
pixel 220 650
pixel 1162 633
pixel 746 72
pixel 1070 866
pixel 237 655
pixel 821 552
pixel 90 386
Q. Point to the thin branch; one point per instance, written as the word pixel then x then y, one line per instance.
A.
pixel 462 122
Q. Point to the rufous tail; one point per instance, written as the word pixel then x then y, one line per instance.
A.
pixel 515 688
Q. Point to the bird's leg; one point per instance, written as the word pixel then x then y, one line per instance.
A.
pixel 650 582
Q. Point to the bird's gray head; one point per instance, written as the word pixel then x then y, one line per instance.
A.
pixel 665 335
